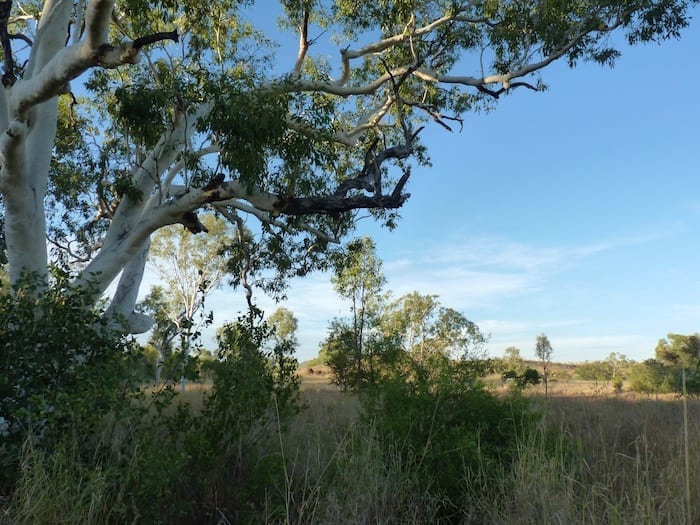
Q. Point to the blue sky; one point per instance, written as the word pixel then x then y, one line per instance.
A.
pixel 573 212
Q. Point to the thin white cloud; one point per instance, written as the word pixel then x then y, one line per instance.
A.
pixel 462 288
pixel 484 253
pixel 615 243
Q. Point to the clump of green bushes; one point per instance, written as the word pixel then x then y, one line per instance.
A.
pixel 448 430
pixel 82 440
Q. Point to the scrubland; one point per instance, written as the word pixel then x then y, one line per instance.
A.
pixel 595 457
pixel 590 456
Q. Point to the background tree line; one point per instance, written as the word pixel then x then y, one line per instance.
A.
pixel 383 336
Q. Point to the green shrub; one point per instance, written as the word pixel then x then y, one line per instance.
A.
pixel 518 381
pixel 651 377
pixel 255 390
pixel 79 434
pixel 447 427
pixel 64 369
pixel 594 371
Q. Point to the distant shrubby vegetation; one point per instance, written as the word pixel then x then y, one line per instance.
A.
pixel 675 368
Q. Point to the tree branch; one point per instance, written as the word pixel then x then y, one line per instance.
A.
pixel 124 300
pixel 267 218
pixel 409 32
pixel 155 37
pixel 303 42
pixel 8 77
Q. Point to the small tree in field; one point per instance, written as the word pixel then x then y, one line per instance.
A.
pixel 426 328
pixel 513 360
pixel 543 351
pixel 680 354
pixel 339 353
pixel 284 326
pixel 359 279
pixel 190 267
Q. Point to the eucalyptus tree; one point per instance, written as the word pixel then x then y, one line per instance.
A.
pixel 284 325
pixel 543 351
pixel 678 350
pixel 118 118
pixel 358 277
pixel 410 316
pixel 680 354
pixel 427 328
pixel 189 267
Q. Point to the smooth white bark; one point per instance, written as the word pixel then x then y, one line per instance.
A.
pixel 125 297
pixel 28 108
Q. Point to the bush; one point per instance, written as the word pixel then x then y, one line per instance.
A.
pixel 255 390
pixel 445 425
pixel 651 377
pixel 518 381
pixel 64 369
pixel 79 435
pixel 594 371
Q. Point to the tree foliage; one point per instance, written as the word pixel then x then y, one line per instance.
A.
pixel 284 326
pixel 384 339
pixel 189 266
pixel 614 368
pixel 679 350
pixel 63 368
pixel 512 360
pixel 676 367
pixel 185 106
pixel 651 377
pixel 520 380
pixel 358 278
pixel 425 328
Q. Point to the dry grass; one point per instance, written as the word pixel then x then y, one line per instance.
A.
pixel 599 457
pixel 596 457
pixel 617 461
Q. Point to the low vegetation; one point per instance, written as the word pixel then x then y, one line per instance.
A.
pixel 431 440
pixel 587 459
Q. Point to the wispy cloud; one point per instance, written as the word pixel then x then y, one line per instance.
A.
pixel 614 243
pixel 481 271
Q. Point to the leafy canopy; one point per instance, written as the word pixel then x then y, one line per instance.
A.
pixel 188 105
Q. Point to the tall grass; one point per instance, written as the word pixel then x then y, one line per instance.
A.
pixel 614 462
pixel 597 461
pixel 55 489
pixel 337 473
pixel 588 461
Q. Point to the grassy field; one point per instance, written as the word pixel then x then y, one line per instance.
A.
pixel 620 458
pixel 595 457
